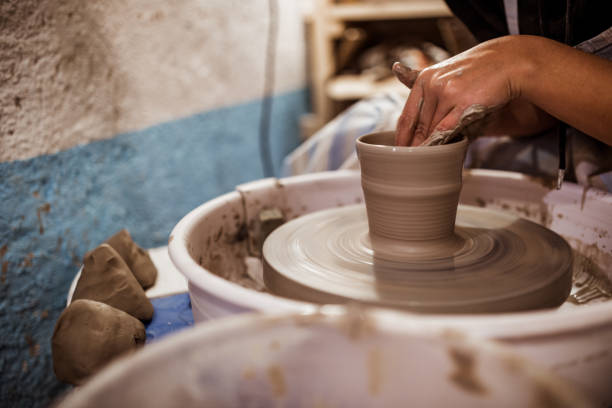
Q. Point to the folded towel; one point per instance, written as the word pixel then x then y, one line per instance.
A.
pixel 333 146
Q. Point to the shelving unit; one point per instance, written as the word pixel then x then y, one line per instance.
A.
pixel 327 23
pixel 387 10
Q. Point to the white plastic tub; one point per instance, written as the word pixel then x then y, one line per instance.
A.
pixel 329 358
pixel 210 243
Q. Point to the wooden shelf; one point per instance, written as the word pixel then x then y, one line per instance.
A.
pixel 327 21
pixel 389 10
pixel 351 87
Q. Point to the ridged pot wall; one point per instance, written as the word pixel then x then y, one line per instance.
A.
pixel 411 193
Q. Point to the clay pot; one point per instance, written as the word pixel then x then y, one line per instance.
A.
pixel 411 193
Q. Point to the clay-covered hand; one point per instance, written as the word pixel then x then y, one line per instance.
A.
pixel 454 94
pixel 516 85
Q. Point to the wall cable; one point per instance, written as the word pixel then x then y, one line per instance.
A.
pixel 266 104
pixel 562 129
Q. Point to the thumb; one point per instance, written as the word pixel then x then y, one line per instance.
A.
pixel 406 75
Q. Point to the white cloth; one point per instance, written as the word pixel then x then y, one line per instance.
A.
pixel 333 147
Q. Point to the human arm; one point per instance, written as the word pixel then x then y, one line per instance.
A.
pixel 517 83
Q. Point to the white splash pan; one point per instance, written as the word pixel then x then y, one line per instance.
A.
pixel 332 357
pixel 207 246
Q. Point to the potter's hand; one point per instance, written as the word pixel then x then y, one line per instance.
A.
pixel 452 95
pixel 516 85
pixel 518 118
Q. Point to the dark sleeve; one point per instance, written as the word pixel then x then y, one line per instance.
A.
pixel 589 18
pixel 486 19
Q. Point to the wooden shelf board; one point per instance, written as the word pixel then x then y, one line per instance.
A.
pixel 352 87
pixel 389 10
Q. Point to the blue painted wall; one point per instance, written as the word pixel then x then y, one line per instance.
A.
pixel 57 207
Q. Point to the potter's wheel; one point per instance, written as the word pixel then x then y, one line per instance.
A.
pixel 494 262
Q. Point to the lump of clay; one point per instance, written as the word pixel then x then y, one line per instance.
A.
pixel 137 259
pixel 90 334
pixel 107 279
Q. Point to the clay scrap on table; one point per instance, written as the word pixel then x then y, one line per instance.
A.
pixel 101 322
pixel 136 258
pixel 107 278
pixel 268 220
pixel 90 334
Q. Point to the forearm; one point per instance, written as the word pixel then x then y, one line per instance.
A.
pixel 573 86
pixel 518 118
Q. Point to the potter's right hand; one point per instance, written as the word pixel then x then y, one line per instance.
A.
pixel 514 85
pixel 518 118
pixel 454 93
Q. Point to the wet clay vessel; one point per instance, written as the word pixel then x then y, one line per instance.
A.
pixel 411 195
pixel 411 248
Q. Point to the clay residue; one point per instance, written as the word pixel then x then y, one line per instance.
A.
pixel 268 220
pixel 538 212
pixel 45 208
pixel 356 323
pixel 276 378
pixel 546 397
pixel 249 374
pixel 33 346
pixel 4 271
pixel 585 190
pixel 374 364
pixel 464 374
pixel 596 356
pixel 224 254
pixel 590 281
pixel 309 318
pixel 549 183
pixel 453 334
pixel 480 202
pixel 470 125
pixel 27 261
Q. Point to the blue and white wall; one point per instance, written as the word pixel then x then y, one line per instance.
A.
pixel 121 114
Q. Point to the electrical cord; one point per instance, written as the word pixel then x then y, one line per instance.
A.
pixel 562 130
pixel 266 104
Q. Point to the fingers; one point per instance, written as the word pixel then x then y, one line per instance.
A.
pixel 409 118
pixel 406 75
pixel 446 129
pixel 424 122
pixel 442 110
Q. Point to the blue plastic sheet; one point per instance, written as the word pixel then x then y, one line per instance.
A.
pixel 172 314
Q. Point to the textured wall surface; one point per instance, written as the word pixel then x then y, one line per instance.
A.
pixel 120 114
pixel 74 71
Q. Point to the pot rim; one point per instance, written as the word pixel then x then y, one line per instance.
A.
pixel 364 146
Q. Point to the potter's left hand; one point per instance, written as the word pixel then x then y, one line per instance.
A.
pixel 535 80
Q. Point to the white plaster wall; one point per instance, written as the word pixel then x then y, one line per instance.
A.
pixel 74 71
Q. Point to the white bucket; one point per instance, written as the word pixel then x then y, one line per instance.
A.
pixel 210 243
pixel 329 358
